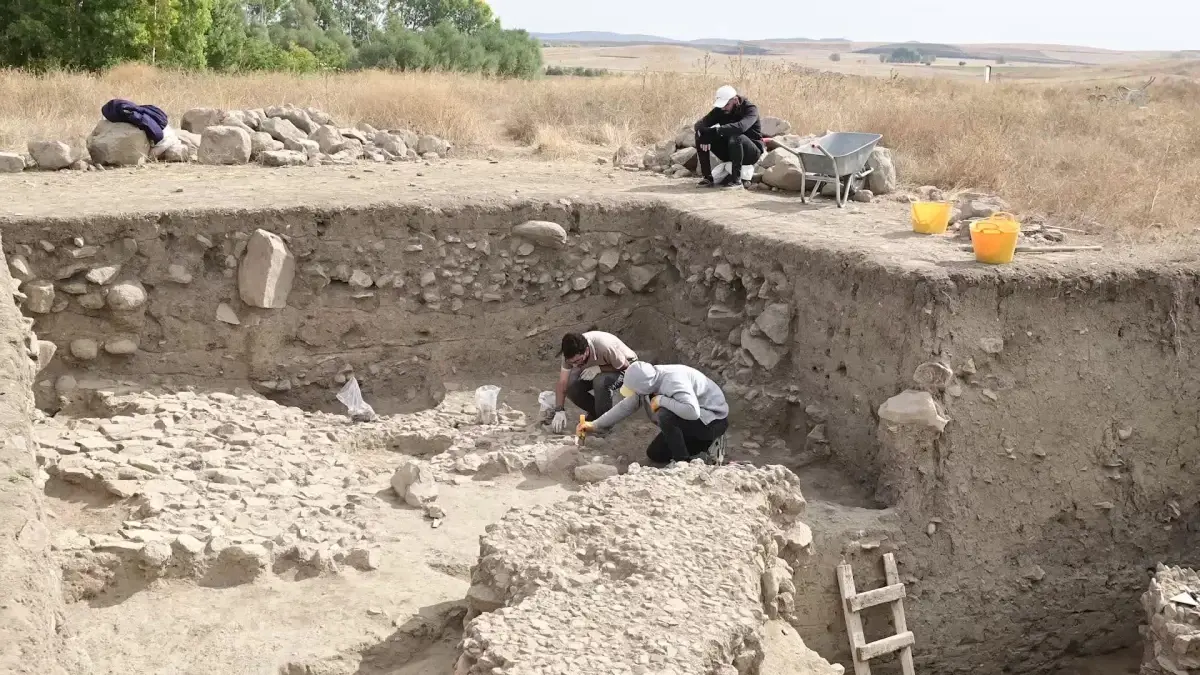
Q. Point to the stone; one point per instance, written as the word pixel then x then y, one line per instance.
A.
pixel 39 296
pixel 913 407
pixel 609 259
pixel 364 560
pixel 685 137
pixel 197 120
pixel 282 130
pixel 222 145
pixel 594 473
pixel 762 351
pixel 862 196
pixel 102 275
pixel 260 142
pixel 52 155
pixel 360 279
pixel 303 145
pixel 327 138
pixel 126 296
pixel 933 375
pixel 227 315
pixel 189 140
pixel 882 180
pixel 627 157
pixel 641 276
pixel 778 156
pixel 555 459
pixel 658 155
pixel 45 350
pixel 774 126
pixel 267 271
pixel 179 274
pixel 297 116
pixel 682 157
pixel 414 483
pixel 776 322
pixel 723 319
pixel 391 144
pixel 19 268
pixel 11 162
pixel 92 301
pixel 278 158
pixel 785 176
pixel 241 563
pixel 118 144
pixel 85 349
pixel 121 346
pixel 542 233
pixel 432 144
pixel 241 119
pixel 992 345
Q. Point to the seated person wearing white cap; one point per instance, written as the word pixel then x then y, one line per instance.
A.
pixel 732 132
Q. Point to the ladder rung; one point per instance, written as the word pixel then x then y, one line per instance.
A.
pixel 885 646
pixel 878 596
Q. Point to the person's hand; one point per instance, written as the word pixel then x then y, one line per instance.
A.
pixel 559 424
pixel 584 428
pixel 654 404
pixel 704 147
pixel 590 374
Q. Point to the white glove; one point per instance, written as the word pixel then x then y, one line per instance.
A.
pixel 590 374
pixel 559 424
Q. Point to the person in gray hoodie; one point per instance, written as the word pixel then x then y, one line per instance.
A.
pixel 689 408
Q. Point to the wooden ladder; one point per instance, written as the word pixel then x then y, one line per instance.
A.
pixel 854 602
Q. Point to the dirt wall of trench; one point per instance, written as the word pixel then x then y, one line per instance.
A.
pixel 32 637
pixel 1088 403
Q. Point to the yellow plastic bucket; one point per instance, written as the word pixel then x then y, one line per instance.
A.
pixel 995 238
pixel 930 217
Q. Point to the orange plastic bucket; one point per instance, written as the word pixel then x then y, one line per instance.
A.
pixel 995 238
pixel 930 217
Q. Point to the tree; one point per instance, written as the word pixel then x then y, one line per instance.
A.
pixel 226 35
pixel 467 16
pixel 904 55
pixel 189 35
pixel 835 57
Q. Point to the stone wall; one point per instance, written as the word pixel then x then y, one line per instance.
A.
pixel 1172 629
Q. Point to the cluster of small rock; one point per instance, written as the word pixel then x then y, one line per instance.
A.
pixel 656 571
pixel 276 136
pixel 777 169
pixel 207 472
pixel 971 205
pixel 1172 630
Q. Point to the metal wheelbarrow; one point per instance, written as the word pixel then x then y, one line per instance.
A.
pixel 838 158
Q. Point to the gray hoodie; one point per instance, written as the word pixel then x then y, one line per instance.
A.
pixel 683 390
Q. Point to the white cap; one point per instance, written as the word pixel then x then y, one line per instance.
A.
pixel 723 95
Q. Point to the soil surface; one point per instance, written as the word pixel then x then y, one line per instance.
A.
pixel 879 230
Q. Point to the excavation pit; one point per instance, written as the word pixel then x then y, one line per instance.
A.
pixel 1024 527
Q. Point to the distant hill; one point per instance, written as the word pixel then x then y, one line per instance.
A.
pixel 589 36
pixel 942 51
pixel 600 38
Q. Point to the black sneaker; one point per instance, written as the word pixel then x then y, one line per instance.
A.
pixel 732 182
pixel 705 182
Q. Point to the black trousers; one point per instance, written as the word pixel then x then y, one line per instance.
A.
pixel 680 440
pixel 596 397
pixel 739 151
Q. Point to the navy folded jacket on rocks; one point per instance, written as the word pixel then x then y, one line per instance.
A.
pixel 149 118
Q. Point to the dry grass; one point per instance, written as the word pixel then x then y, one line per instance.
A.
pixel 1043 148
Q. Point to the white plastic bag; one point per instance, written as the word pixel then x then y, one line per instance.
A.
pixel 486 400
pixel 546 402
pixel 351 397
pixel 721 171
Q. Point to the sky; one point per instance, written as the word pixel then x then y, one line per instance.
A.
pixel 1112 24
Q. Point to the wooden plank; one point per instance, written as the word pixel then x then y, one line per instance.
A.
pixel 892 575
pixel 878 596
pixel 854 626
pixel 886 645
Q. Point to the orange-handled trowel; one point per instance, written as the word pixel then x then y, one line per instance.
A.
pixel 580 435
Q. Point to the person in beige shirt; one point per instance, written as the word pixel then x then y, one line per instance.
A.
pixel 593 368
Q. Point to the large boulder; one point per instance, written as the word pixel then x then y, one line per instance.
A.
pixel 432 144
pixel 773 126
pixel 391 144
pixel 224 145
pixel 11 162
pixel 52 155
pixel 282 129
pixel 883 179
pixel 542 232
pixel 627 157
pixel 261 141
pixel 197 120
pixel 283 158
pixel 240 118
pixel 328 138
pixel 310 148
pixel 658 156
pixel 778 156
pixel 685 137
pixel 297 116
pixel 785 176
pixel 267 271
pixel 118 144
